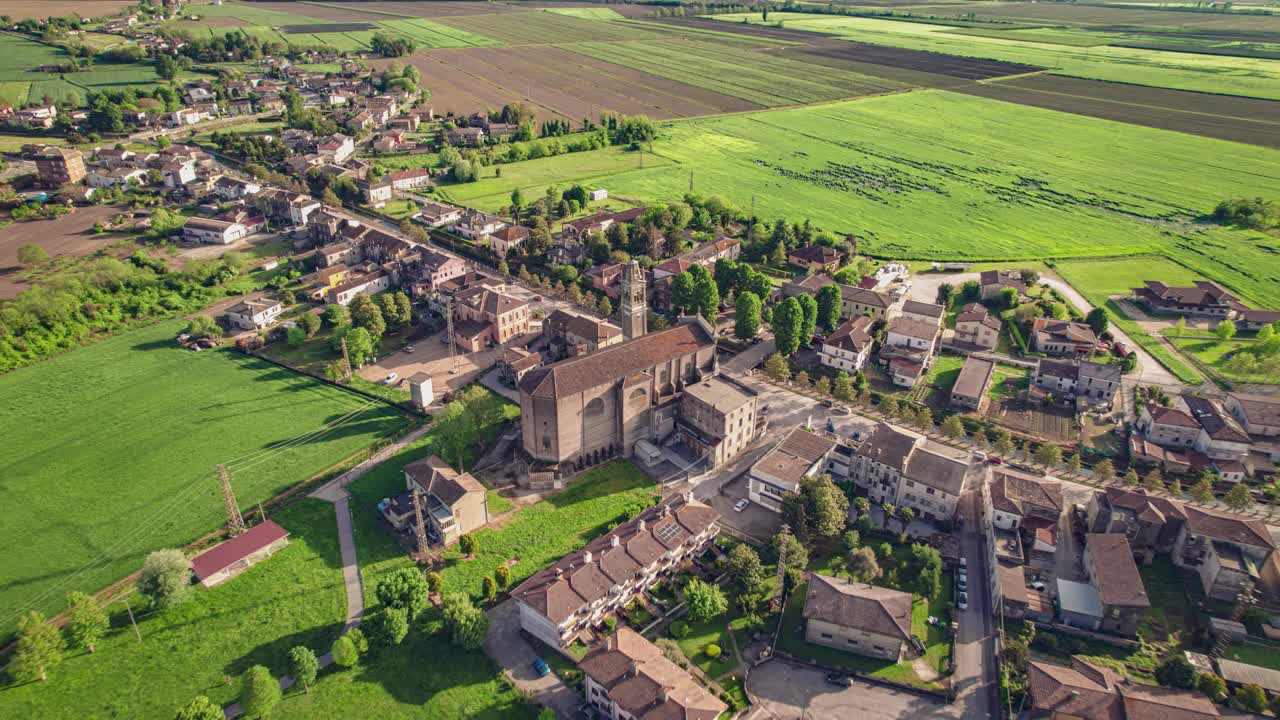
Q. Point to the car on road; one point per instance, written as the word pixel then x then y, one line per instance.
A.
pixel 390 378
pixel 979 455
pixel 962 582
pixel 839 680
pixel 409 348
pixel 995 460
pixel 741 505
pixel 962 600
pixel 541 667
pixel 964 563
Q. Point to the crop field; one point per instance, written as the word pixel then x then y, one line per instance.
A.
pixel 345 41
pixel 1246 120
pixel 751 76
pixel 543 28
pixel 20 56
pixel 110 452
pixel 1248 77
pixel 588 13
pixel 401 8
pixel 936 175
pixel 58 8
pixel 265 14
pixel 1109 17
pixel 327 28
pixel 606 165
pixel 556 82
pixel 430 34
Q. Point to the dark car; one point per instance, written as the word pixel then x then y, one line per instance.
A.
pixel 541 667
pixel 839 680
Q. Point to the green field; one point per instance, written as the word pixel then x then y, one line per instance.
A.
pixel 532 176
pixel 935 175
pixel 21 83
pixel 1051 36
pixel 255 14
pixel 295 598
pixel 110 452
pixel 588 13
pixel 430 34
pixel 540 28
pixel 1251 77
pixel 737 71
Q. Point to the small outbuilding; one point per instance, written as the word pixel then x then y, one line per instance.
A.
pixel 231 557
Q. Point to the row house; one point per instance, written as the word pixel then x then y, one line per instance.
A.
pixel 583 588
pixel 231 189
pixel 409 179
pixel 626 676
pixel 1196 423
pixel 1088 384
pixel 903 468
pixel 368 284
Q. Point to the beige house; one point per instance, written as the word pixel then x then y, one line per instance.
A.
pixel 254 314
pixel 627 676
pixel 799 455
pixel 455 503
pixel 857 618
pixel 484 315
pixel 719 418
pixel 977 328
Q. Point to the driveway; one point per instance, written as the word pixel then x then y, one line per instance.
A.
pixel 795 692
pixel 507 647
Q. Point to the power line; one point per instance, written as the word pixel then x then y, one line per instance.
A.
pixel 112 552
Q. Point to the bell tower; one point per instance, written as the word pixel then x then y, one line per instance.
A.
pixel 633 313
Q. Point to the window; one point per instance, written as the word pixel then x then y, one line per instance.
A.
pixel 595 407
pixel 826 636
pixel 851 641
pixel 928 491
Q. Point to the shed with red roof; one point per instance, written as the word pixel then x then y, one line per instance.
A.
pixel 229 558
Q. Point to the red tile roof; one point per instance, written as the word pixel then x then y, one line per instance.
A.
pixel 229 552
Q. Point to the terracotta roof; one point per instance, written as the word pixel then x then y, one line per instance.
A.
pixel 583 577
pixel 580 325
pixel 852 335
pixel 1082 690
pixel 1171 416
pixel 1259 409
pixel 1218 424
pixel 1013 492
pixel 1148 702
pixel 912 327
pixel 1006 278
pixel 1063 331
pixel 436 477
pixel 1202 294
pixel 512 233
pixel 574 375
pixel 645 684
pixel 1115 574
pixel 793 457
pixel 1231 528
pixel 229 552
pixel 815 254
pixel 842 602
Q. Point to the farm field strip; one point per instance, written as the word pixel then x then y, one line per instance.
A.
pixel 1248 77
pixel 751 76
pixel 588 13
pixel 1077 96
pixel 606 165
pixel 434 34
pixel 456 90
pixel 401 8
pixel 102 440
pixel 546 28
pixel 256 14
pixel 1107 16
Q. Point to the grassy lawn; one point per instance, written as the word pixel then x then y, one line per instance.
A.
pixel 1256 653
pixel 398 209
pixel 945 370
pixel 1008 381
pixel 132 427
pixel 1214 354
pixel 314 354
pixel 702 634
pixel 294 598
pixel 1167 588
pixel 498 504
pixel 937 643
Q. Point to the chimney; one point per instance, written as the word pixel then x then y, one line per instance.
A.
pixel 641 524
pixel 688 495
pixel 559 573
pixel 586 557
pixel 615 541
pixel 666 510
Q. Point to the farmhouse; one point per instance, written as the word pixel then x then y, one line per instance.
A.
pixel 1060 337
pixel 581 589
pixel 857 618
pixel 992 282
pixel 232 557
pixel 848 346
pixel 453 504
pixel 908 348
pixel 507 239
pixel 799 455
pixel 970 390
pixel 1204 298
pixel 435 214
pixel 206 230
pixel 976 328
pixel 254 314
pixel 1108 561
pixel 1259 414
pixel 815 257
pixel 409 179
pixel 476 225
pixel 369 284
pixel 1088 383
pixel 627 676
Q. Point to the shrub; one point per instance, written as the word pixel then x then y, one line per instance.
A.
pixel 611 624
pixel 679 629
pixel 712 651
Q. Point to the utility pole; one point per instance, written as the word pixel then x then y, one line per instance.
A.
pixel 453 343
pixel 235 523
pixel 262 516
pixel 751 219
pixel 421 529
pixel 131 620
pixel 781 576
pixel 690 182
pixel 346 362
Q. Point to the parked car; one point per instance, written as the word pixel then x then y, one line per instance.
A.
pixel 1037 586
pixel 409 348
pixel 741 505
pixel 962 601
pixel 979 455
pixel 964 563
pixel 827 404
pixel 541 667
pixel 994 460
pixel 390 378
pixel 839 680
pixel 962 582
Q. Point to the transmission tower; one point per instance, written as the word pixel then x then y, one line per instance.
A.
pixel 422 529
pixel 235 523
pixel 453 344
pixel 1243 601
pixel 781 577
pixel 346 362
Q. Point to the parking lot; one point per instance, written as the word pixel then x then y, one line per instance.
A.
pixel 793 692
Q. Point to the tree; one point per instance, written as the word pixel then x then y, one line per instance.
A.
pixel 1225 330
pixel 777 368
pixel 344 652
pixel 335 315
pixel 744 569
pixel 202 326
pixel 802 379
pixel 1008 298
pixel 295 336
pixel 1175 488
pixel 952 427
pixel 467 623
pixel 1131 478
pixel 1212 686
pixel 1004 442
pixel 946 291
pixel 829 301
pixel 706 602
pixel 706 298
pixel 1153 481
pixel 259 692
pixel 1180 327
pixel 405 589
pixel 86 622
pixel 823 385
pixel 746 316
pixel 1104 472
pixel 502 575
pixel 310 324
pixel 907 515
pixel 303 666
pixel 1238 498
pixel 817 509
pixel 468 544
pixel 1073 463
pixel 368 316
pixel 1049 455
pixel 39 648
pixel 435 582
pixel 1176 671
pixel 32 255
pixel 796 553
pixel 165 579
pixel 924 419
pixel 489 588
pixel 788 325
pixel 1250 697
pixel 1097 320
pixel 862 565
pixel 604 306
pixel 808 318
pixel 200 707
pixel 1202 491
pixel 392 625
pixel 925 569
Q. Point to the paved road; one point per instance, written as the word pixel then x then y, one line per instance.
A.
pixel 974 680
pixel 793 692
pixel 507 647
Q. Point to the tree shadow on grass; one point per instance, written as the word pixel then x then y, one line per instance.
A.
pixel 274 654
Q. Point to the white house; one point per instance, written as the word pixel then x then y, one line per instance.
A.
pixel 475 225
pixel 337 146
pixel 122 177
pixel 206 230
pixel 229 188
pixel 370 284
pixel 178 174
pixel 901 467
pixel 798 456
pixel 848 346
pixel 254 314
